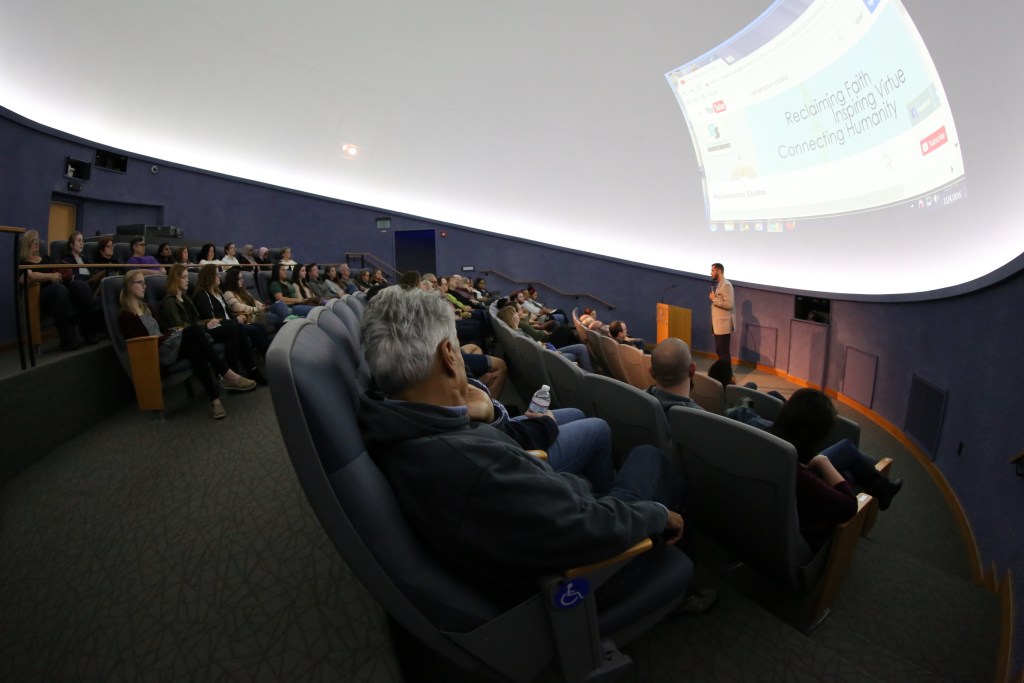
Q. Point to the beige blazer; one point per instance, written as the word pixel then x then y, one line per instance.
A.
pixel 723 321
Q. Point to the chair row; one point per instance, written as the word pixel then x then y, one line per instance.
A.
pixel 741 481
pixel 316 371
pixel 122 250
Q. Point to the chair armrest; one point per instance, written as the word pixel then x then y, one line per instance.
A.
pixel 840 555
pixel 637 548
pixel 882 466
pixel 144 361
pixel 539 454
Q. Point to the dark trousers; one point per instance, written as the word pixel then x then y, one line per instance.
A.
pixel 722 344
pixel 61 300
pixel 236 346
pixel 204 360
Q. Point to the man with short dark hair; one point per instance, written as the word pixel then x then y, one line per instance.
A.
pixel 497 515
pixel 672 368
pixel 723 321
pixel 139 255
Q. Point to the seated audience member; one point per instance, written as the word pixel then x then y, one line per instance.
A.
pixel 139 255
pixel 410 279
pixel 182 256
pixel 498 516
pixel 540 310
pixel 247 259
pixel 136 320
pixel 458 287
pixel 208 254
pixel 73 256
pixel 519 298
pixel 58 298
pixel 332 283
pixel 230 257
pixel 315 285
pixel 104 255
pixel 281 290
pixel 286 258
pixel 345 279
pixel 241 302
pixel 177 310
pixel 481 291
pixel 672 369
pixel 577 353
pixel 263 258
pixel 824 497
pixel 164 255
pixel 618 331
pixel 363 282
pixel 300 285
pixel 210 303
pixel 574 442
pixel 377 283
pixel 470 328
pixel 428 283
pixel 721 370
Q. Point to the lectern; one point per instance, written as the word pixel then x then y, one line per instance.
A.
pixel 674 321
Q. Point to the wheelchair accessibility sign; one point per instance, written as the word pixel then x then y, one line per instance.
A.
pixel 571 593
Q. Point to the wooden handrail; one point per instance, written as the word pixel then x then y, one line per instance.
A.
pixel 546 285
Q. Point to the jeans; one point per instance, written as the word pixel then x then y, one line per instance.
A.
pixel 578 353
pixel 583 447
pixel 648 473
pixel 848 459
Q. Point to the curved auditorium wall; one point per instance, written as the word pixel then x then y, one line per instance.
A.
pixel 961 349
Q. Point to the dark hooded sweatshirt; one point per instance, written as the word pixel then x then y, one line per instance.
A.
pixel 495 514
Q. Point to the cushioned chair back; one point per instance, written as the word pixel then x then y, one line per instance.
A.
pixel 110 301
pixel 356 304
pixel 249 282
pixel 151 249
pixel 741 491
pixel 764 405
pixel 708 393
pixel 263 285
pixel 636 365
pixel 122 250
pixel 89 252
pixel 635 417
pixel 610 354
pixel 843 428
pixel 348 349
pixel 533 363
pixel 274 254
pixel 57 249
pixel 566 382
pixel 346 316
pixel 193 254
pixel 349 494
pixel 156 290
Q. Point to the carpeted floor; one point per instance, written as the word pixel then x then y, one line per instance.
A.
pixel 185 550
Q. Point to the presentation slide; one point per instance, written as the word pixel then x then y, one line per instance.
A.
pixel 819 108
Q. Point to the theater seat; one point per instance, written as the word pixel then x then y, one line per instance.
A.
pixel 566 382
pixel 708 393
pixel 741 494
pixel 357 508
pixel 635 417
pixel 140 356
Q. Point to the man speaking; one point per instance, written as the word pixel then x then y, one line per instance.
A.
pixel 722 319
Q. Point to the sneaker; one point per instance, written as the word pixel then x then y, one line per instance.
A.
pixel 697 601
pixel 240 384
pixel 218 412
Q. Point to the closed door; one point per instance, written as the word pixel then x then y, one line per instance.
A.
pixel 63 219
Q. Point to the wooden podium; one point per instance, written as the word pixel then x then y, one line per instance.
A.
pixel 674 321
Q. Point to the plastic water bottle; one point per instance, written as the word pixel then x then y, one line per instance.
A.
pixel 541 400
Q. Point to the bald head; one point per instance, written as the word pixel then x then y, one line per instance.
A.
pixel 672 365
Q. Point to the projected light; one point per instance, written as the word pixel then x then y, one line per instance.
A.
pixel 821 107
